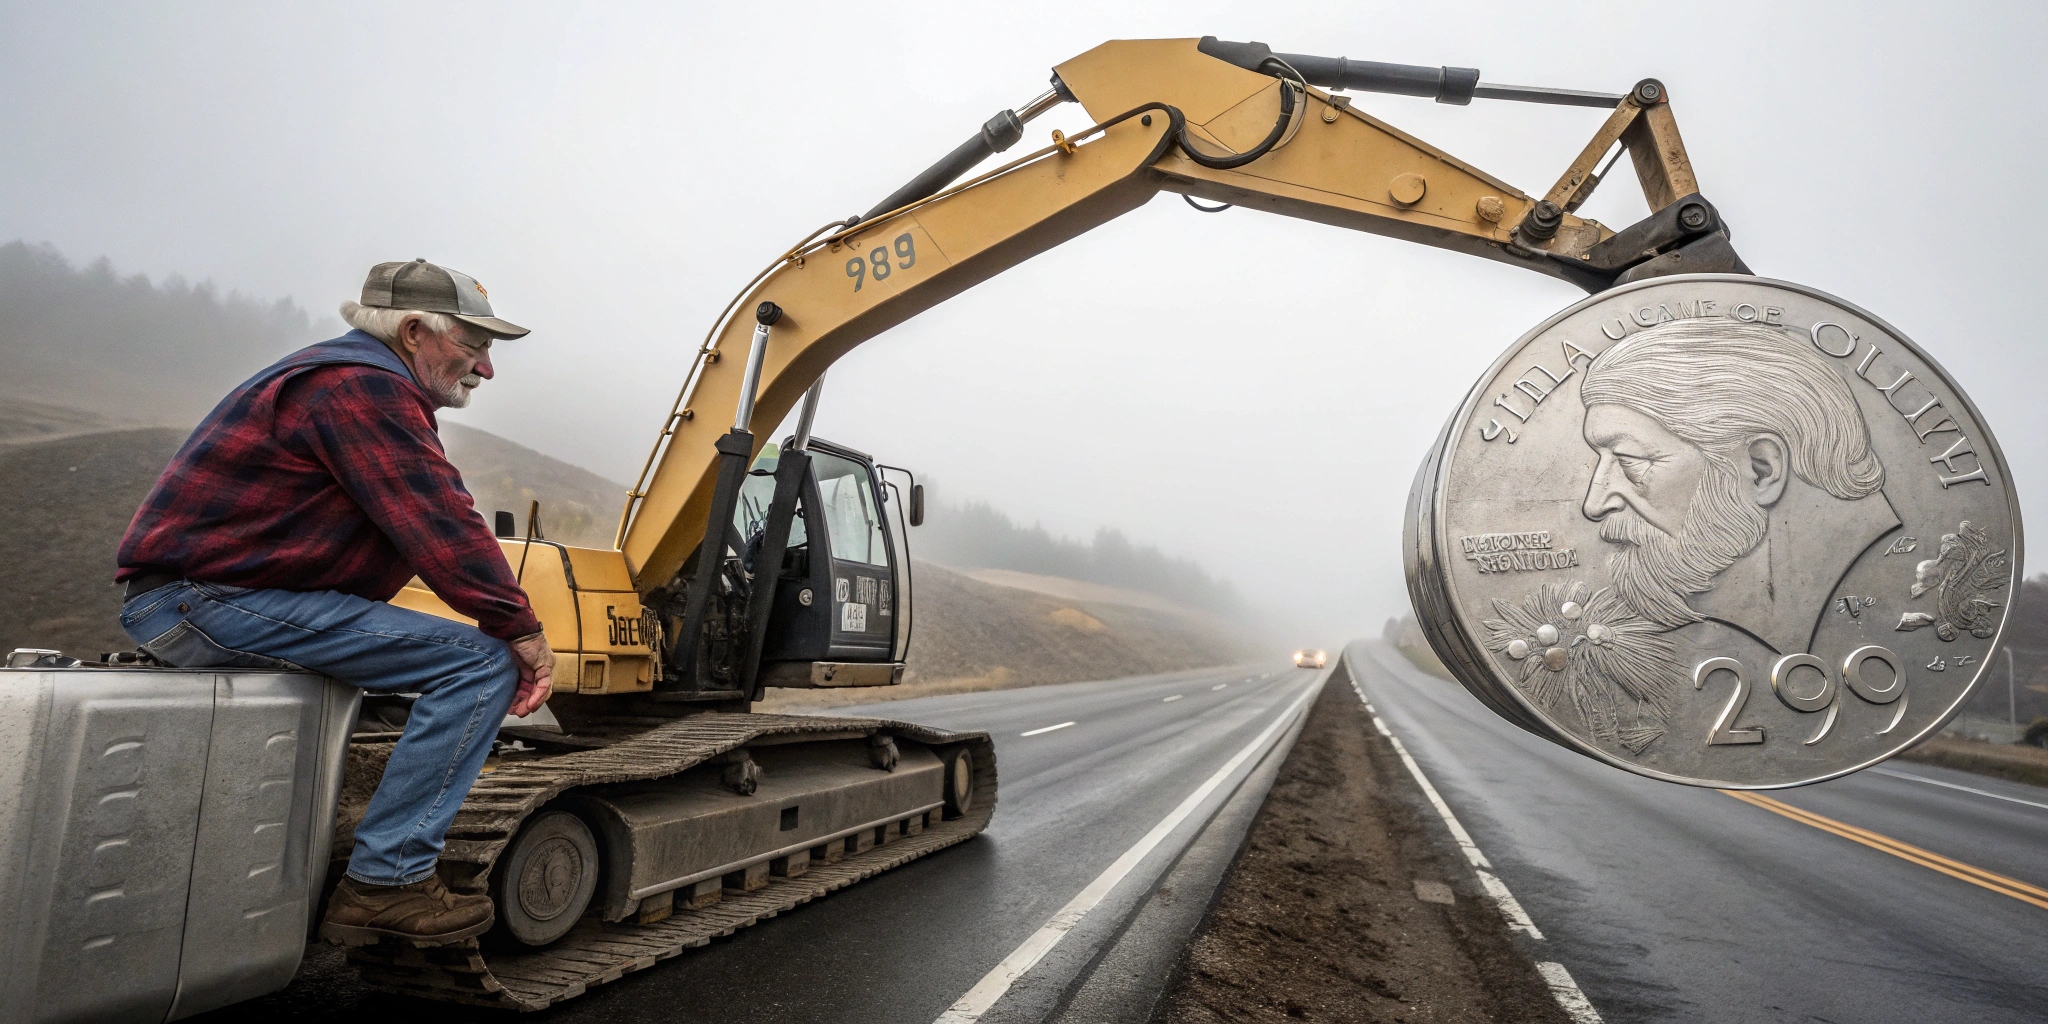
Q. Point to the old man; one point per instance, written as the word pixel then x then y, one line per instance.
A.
pixel 300 505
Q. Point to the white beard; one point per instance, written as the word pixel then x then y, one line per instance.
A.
pixel 1654 572
pixel 454 394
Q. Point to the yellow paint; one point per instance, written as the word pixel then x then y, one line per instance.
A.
pixel 1925 858
pixel 1334 170
pixel 581 621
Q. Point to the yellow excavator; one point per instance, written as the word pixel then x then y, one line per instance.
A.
pixel 664 812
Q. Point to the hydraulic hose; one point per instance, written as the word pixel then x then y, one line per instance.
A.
pixel 1287 90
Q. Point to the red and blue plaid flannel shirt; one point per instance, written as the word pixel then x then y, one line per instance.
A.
pixel 326 475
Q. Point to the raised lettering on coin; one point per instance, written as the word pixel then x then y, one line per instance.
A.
pixel 1717 483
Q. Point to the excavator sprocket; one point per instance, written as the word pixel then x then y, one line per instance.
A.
pixel 594 952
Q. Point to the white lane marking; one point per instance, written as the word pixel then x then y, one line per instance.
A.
pixel 1966 789
pixel 1171 699
pixel 1047 729
pixel 1219 686
pixel 1518 919
pixel 1510 908
pixel 997 981
pixel 1566 992
pixel 1562 987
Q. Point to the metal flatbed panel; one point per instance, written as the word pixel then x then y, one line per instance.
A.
pixel 158 835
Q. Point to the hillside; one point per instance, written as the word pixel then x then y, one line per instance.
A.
pixel 974 634
pixel 140 353
pixel 67 499
pixel 69 485
pixel 978 535
pixel 576 506
pixel 64 504
pixel 105 375
pixel 972 627
pixel 23 420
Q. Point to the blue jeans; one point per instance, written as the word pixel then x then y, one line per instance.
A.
pixel 465 680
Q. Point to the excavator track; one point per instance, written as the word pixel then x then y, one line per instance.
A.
pixel 595 952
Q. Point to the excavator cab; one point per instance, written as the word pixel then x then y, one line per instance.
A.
pixel 841 614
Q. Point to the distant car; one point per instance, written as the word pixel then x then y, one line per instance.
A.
pixel 1309 659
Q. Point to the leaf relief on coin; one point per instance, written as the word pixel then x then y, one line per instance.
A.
pixel 1965 571
pixel 1583 649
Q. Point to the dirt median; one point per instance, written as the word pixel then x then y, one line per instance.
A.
pixel 1348 902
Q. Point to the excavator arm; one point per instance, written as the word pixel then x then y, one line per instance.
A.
pixel 1226 122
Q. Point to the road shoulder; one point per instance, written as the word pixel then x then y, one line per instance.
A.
pixel 1333 909
pixel 2010 761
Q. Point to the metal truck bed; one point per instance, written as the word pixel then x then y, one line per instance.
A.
pixel 123 790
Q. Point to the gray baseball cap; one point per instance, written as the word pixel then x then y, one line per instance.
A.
pixel 424 286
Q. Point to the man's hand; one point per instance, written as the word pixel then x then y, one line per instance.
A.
pixel 536 673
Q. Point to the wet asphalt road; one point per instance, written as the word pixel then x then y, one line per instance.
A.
pixel 1669 903
pixel 903 946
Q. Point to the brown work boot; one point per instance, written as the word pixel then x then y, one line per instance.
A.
pixel 422 914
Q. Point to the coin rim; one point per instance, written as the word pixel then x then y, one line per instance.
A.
pixel 1439 542
pixel 1426 592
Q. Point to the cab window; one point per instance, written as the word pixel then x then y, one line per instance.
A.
pixel 757 493
pixel 850 511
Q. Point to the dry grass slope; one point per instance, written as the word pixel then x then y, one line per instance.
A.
pixel 66 501
pixel 68 488
pixel 576 506
pixel 64 505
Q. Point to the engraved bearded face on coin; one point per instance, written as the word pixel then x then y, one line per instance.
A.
pixel 1719 530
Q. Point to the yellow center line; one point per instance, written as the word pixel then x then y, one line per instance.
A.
pixel 1904 851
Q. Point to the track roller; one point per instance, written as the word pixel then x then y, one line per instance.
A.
pixel 545 878
pixel 959 781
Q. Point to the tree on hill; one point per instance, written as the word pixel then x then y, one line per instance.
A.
pixel 976 535
pixel 130 350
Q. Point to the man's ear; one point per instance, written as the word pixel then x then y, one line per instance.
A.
pixel 411 333
pixel 1770 462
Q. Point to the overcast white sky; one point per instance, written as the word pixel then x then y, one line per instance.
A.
pixel 1252 391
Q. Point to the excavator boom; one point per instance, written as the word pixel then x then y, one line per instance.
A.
pixel 1225 122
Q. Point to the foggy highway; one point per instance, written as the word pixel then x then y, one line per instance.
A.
pixel 1669 903
pixel 1087 771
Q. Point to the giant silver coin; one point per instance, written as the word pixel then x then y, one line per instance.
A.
pixel 1718 530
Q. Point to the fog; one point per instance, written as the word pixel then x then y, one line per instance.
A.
pixel 131 351
pixel 979 535
pixel 1247 390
